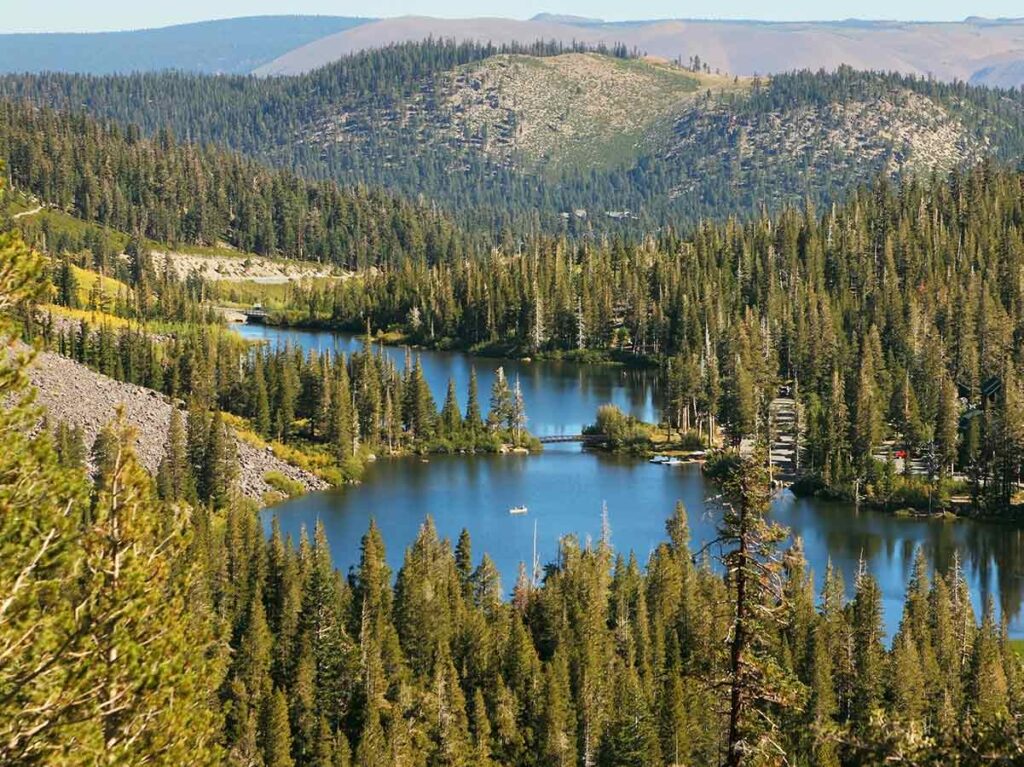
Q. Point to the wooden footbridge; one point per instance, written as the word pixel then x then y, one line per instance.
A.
pixel 257 315
pixel 552 439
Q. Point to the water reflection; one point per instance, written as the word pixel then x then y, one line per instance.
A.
pixel 561 397
pixel 564 489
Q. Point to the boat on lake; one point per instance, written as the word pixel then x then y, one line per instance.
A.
pixel 517 510
pixel 659 459
pixel 673 461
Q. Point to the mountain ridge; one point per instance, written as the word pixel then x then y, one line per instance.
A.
pixel 231 46
pixel 982 52
pixel 542 135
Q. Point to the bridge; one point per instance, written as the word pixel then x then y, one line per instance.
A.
pixel 256 315
pixel 555 438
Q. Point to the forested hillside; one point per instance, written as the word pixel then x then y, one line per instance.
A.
pixel 153 619
pixel 887 313
pixel 199 195
pixel 541 136
pixel 145 626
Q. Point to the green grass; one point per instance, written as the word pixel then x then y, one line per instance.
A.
pixel 97 319
pixel 274 297
pixel 59 222
pixel 87 280
pixel 286 486
pixel 16 202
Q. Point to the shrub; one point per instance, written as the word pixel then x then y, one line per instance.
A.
pixel 620 429
pixel 285 485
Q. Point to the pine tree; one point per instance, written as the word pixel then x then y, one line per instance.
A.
pixel 423 412
pixel 219 465
pixel 464 561
pixel 481 756
pixel 197 434
pixel 67 285
pixel 450 723
pixel 146 657
pixel 342 435
pixel 473 421
pixel 822 705
pixel 947 426
pixel 372 750
pixel 907 680
pixel 260 398
pixel 287 395
pixel 39 556
pixel 988 686
pixel 451 420
pixel 174 477
pixel 868 653
pixel 322 625
pixel 867 415
pixel 754 677
pixel 277 740
pixel 740 407
pixel 501 401
pixel 517 415
pixel 70 446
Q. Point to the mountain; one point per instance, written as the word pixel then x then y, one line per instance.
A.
pixel 977 50
pixel 232 46
pixel 547 137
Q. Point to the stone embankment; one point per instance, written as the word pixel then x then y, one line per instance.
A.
pixel 81 397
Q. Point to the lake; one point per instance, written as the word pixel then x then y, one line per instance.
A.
pixel 566 487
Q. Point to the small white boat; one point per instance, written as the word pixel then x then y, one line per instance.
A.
pixel 659 459
pixel 673 461
pixel 517 510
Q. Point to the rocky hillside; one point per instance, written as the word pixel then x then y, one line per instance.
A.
pixel 576 110
pixel 507 139
pixel 668 137
pixel 895 133
pixel 75 394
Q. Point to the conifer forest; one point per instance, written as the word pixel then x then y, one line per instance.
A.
pixel 155 607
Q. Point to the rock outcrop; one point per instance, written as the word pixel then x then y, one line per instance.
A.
pixel 82 397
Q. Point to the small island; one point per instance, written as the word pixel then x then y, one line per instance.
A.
pixel 618 432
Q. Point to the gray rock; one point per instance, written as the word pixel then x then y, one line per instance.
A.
pixel 75 394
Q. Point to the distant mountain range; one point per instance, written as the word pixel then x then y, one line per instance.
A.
pixel 976 50
pixel 231 46
pixel 981 51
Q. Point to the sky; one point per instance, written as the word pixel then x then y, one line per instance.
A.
pixel 97 15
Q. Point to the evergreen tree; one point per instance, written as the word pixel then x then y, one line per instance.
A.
pixel 67 285
pixel 755 679
pixel 38 555
pixel 174 477
pixel 146 660
pixel 473 421
pixel 868 653
pixel 219 465
pixel 451 420
pixel 260 398
pixel 277 741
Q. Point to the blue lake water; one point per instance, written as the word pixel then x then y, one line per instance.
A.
pixel 565 489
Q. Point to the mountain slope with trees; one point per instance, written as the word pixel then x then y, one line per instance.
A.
pixel 164 628
pixel 184 193
pixel 544 137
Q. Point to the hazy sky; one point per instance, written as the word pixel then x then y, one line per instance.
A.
pixel 82 15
